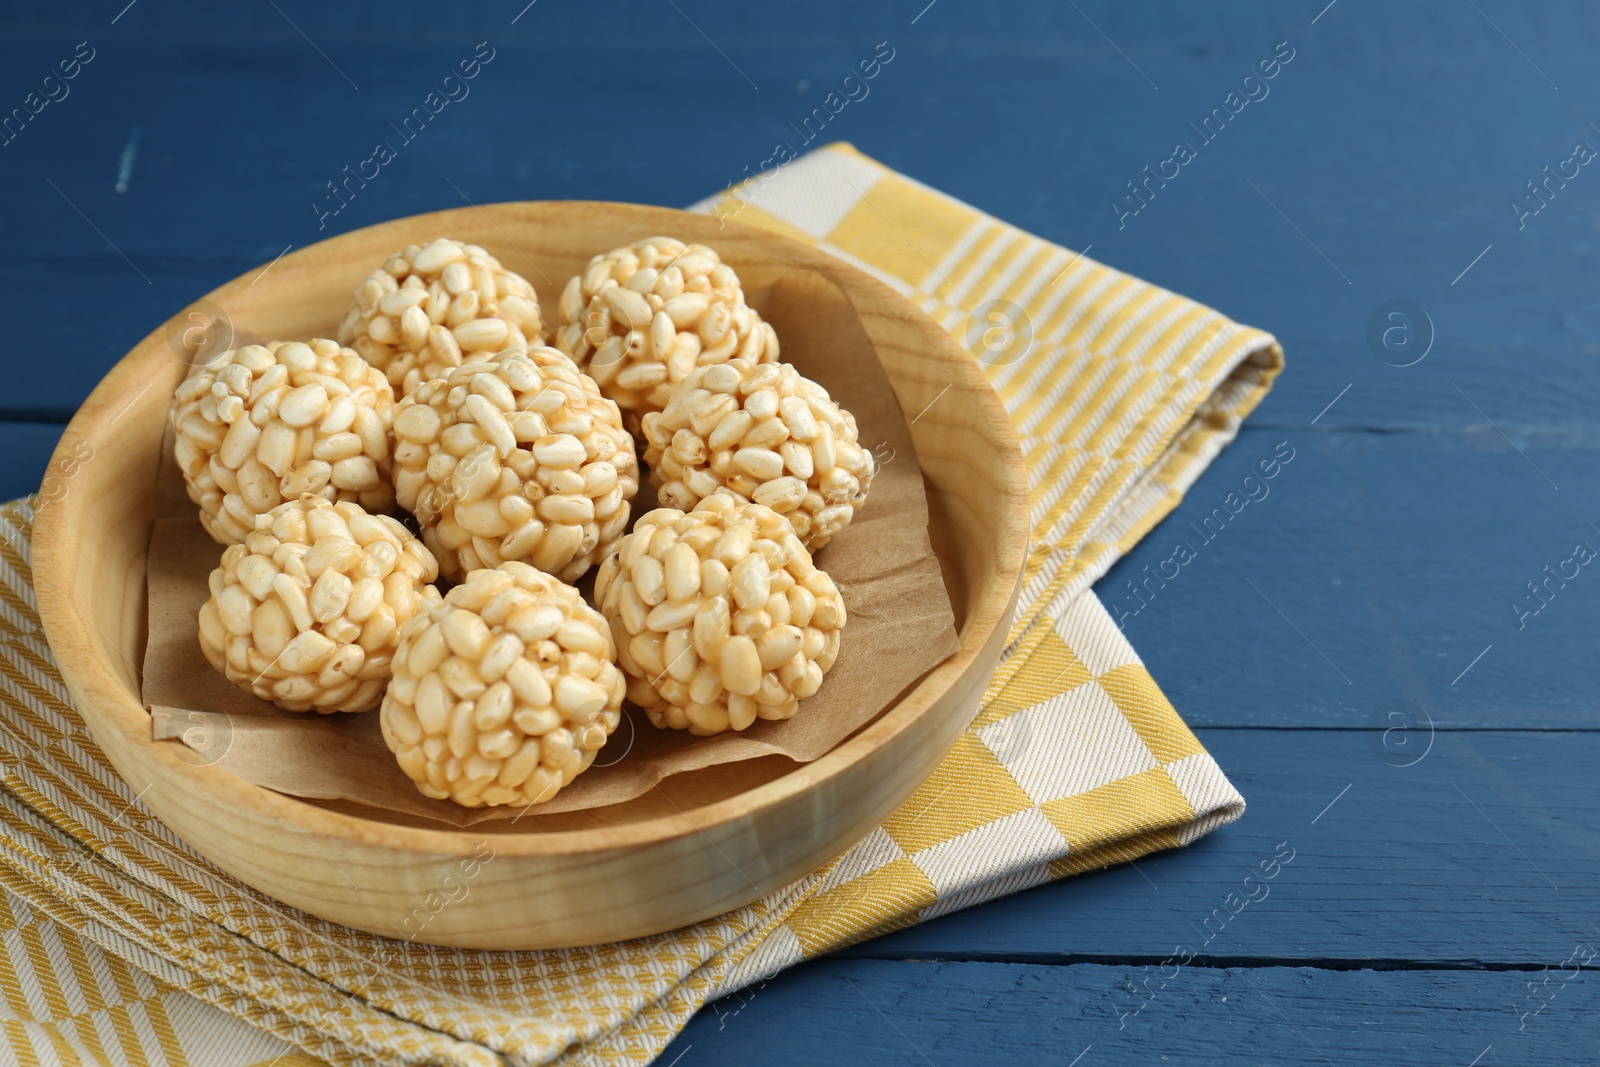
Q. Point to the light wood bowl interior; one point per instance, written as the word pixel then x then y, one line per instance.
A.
pixel 701 845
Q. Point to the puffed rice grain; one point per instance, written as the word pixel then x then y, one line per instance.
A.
pixel 306 611
pixel 504 691
pixel 516 458
pixel 640 318
pixel 765 433
pixel 719 616
pixel 264 424
pixel 432 307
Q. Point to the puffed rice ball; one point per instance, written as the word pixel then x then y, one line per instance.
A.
pixel 503 692
pixel 307 612
pixel 719 615
pixel 640 318
pixel 767 434
pixel 433 307
pixel 518 458
pixel 263 424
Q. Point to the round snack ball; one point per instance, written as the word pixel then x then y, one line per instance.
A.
pixel 640 318
pixel 764 433
pixel 263 424
pixel 517 458
pixel 719 615
pixel 306 613
pixel 437 306
pixel 504 691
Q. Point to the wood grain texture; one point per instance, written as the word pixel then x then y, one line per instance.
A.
pixel 1398 557
pixel 635 873
pixel 1401 614
pixel 1408 866
pixel 950 1014
pixel 1392 143
pixel 1398 170
pixel 27 447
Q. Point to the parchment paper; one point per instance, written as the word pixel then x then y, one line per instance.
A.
pixel 900 624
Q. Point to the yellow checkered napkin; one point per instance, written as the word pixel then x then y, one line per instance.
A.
pixel 119 945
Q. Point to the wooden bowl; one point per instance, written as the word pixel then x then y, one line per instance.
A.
pixel 676 856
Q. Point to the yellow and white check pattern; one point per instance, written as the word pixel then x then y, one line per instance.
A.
pixel 118 945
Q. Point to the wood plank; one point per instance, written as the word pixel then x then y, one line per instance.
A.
pixel 1389 604
pixel 26 447
pixel 922 1012
pixel 1348 911
pixel 1485 852
pixel 226 178
pixel 1394 152
pixel 1395 561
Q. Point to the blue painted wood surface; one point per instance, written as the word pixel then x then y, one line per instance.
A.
pixel 1381 165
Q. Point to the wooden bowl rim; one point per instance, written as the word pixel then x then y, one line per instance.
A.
pixel 76 655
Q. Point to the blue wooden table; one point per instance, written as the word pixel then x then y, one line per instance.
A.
pixel 1393 655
